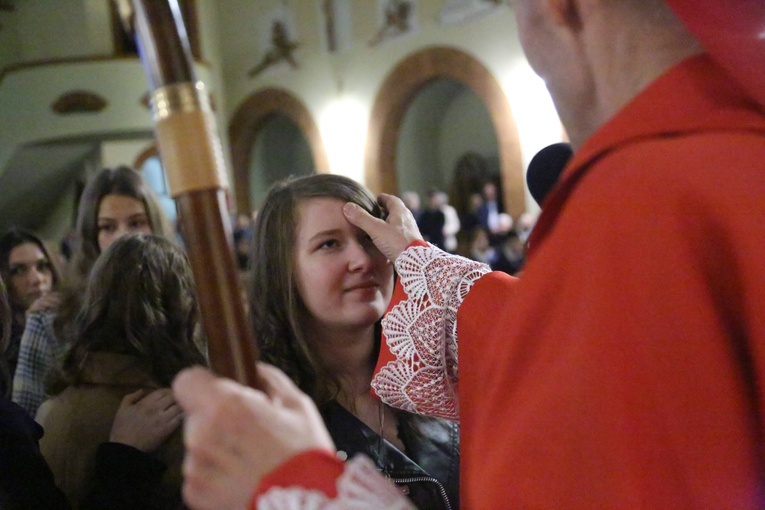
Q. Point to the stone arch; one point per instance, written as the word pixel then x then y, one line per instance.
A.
pixel 399 89
pixel 247 121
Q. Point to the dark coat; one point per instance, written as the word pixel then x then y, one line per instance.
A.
pixel 431 225
pixel 79 419
pixel 26 481
pixel 124 478
pixel 429 471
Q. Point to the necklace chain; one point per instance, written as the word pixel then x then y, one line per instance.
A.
pixel 381 420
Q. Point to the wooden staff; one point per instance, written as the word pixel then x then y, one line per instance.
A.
pixel 191 154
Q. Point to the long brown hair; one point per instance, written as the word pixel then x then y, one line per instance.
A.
pixel 5 334
pixel 121 180
pixel 10 240
pixel 140 300
pixel 278 313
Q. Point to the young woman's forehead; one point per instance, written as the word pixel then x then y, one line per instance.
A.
pixel 24 252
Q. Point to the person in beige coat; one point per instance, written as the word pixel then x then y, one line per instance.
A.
pixel 136 329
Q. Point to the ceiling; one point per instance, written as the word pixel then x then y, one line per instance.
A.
pixel 37 177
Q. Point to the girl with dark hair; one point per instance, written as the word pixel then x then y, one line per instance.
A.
pixel 136 329
pixel 117 201
pixel 26 481
pixel 5 335
pixel 319 290
pixel 27 266
pixel 114 203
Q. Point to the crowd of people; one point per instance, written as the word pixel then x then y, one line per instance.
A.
pixel 92 349
pixel 483 232
pixel 622 369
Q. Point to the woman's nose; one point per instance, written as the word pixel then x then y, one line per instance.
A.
pixel 359 257
pixel 35 277
pixel 122 230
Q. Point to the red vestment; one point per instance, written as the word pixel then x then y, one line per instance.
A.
pixel 625 368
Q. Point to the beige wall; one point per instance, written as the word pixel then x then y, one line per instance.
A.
pixel 356 74
pixel 235 35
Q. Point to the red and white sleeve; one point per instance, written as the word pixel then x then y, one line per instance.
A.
pixel 315 480
pixel 417 370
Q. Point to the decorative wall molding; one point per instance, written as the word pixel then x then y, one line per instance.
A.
pixel 79 101
pixel 457 11
pixel 397 18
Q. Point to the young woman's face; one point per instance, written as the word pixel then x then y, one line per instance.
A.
pixel 344 281
pixel 31 273
pixel 119 215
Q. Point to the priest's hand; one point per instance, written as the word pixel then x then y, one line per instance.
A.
pixel 235 435
pixel 392 235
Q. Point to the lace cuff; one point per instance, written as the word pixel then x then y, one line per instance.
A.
pixel 421 332
pixel 360 487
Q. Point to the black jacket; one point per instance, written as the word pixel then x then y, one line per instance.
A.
pixel 124 478
pixel 26 481
pixel 428 473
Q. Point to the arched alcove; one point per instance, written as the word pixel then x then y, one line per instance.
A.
pixel 401 87
pixel 149 165
pixel 275 110
pixel 279 150
pixel 444 121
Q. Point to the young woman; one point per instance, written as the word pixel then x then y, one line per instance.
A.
pixel 27 266
pixel 124 477
pixel 136 330
pixel 114 203
pixel 26 481
pixel 117 201
pixel 320 288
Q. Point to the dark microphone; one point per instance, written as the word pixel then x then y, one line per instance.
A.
pixel 545 168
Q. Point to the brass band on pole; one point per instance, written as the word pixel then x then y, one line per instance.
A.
pixel 179 98
pixel 192 157
pixel 184 120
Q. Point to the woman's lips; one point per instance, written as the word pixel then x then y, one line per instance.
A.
pixel 362 286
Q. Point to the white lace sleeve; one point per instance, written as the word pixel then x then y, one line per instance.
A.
pixel 421 332
pixel 360 487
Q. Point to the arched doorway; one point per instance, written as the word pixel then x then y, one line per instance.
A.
pixel 447 69
pixel 274 132
pixel 445 121
pixel 278 151
pixel 149 165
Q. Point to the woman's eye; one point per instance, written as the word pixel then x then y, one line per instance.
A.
pixel 138 224
pixel 106 228
pixel 331 243
pixel 17 270
pixel 43 266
